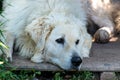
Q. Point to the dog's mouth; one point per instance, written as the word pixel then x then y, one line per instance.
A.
pixel 70 68
pixel 73 68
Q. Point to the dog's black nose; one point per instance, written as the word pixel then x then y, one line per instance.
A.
pixel 76 61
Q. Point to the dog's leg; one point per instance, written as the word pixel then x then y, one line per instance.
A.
pixel 106 28
pixel 37 58
pixel 103 34
pixel 100 14
pixel 116 17
pixel 9 42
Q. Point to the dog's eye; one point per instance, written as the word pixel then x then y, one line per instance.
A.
pixel 60 41
pixel 77 42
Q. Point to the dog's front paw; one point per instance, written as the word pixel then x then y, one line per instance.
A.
pixel 8 56
pixel 102 35
pixel 8 59
pixel 37 58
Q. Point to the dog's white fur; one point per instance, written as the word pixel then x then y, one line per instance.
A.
pixel 35 25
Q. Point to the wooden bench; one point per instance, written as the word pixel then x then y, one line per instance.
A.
pixel 103 57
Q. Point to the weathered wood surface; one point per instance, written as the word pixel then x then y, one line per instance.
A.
pixel 103 57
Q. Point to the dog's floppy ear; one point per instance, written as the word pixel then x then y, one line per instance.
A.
pixel 87 42
pixel 87 45
pixel 39 30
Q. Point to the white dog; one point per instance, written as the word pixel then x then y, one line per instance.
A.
pixel 55 30
pixel 47 31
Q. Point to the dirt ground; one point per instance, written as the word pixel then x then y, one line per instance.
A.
pixel 108 76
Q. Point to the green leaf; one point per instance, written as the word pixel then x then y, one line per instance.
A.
pixel 4 46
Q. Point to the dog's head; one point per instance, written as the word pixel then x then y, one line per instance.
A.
pixel 63 44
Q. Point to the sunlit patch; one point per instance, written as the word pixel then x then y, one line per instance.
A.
pixel 113 39
pixel 93 39
pixel 1 62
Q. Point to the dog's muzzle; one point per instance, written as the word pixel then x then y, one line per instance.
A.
pixel 76 61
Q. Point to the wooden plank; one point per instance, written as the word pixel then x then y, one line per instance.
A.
pixel 103 57
pixel 25 64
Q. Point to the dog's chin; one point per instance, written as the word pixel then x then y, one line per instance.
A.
pixel 64 66
pixel 75 68
pixel 71 68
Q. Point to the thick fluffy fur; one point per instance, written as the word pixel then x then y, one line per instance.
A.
pixel 55 30
pixel 104 13
pixel 47 30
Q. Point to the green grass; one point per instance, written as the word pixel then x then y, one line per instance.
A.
pixel 66 75
pixel 75 75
